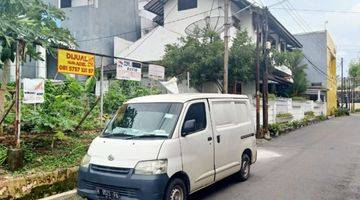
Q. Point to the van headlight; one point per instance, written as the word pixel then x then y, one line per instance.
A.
pixel 85 161
pixel 151 167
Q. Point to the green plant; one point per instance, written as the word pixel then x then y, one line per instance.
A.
pixel 35 22
pixel 357 110
pixel 200 53
pixel 321 117
pixel 310 114
pixel 121 91
pixel 293 60
pixel 3 153
pixel 297 98
pixel 342 112
pixel 271 96
pixel 277 128
pixel 284 115
pixel 242 58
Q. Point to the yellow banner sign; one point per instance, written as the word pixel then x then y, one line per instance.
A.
pixel 73 62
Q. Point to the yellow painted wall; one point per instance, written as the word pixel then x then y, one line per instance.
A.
pixel 331 96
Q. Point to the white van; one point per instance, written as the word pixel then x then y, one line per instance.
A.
pixel 169 146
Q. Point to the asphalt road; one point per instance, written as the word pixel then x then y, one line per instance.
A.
pixel 321 161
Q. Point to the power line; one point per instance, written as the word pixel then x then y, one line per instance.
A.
pixel 318 10
pixel 128 32
pixel 305 27
pixel 277 3
pixel 149 35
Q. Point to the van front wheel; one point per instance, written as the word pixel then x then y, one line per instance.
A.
pixel 176 190
pixel 244 172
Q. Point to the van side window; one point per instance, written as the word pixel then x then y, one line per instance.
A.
pixel 223 112
pixel 197 112
pixel 242 113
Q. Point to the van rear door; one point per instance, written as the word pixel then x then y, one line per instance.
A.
pixel 227 138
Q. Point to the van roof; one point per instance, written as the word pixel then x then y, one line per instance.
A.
pixel 182 98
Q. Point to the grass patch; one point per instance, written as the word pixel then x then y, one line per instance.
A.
pixel 39 156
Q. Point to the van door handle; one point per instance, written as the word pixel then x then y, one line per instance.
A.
pixel 209 139
pixel 218 138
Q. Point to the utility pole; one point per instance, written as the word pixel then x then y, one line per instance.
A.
pixel 342 83
pixel 257 76
pixel 226 43
pixel 348 93
pixel 101 92
pixel 266 48
pixel 352 94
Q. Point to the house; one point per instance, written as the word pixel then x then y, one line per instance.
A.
pixel 177 18
pixel 320 56
pixel 94 24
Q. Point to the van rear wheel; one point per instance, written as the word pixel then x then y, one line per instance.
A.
pixel 244 172
pixel 176 190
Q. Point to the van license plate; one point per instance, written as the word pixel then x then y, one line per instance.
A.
pixel 108 194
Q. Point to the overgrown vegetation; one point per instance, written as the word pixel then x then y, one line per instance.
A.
pixel 38 157
pixel 3 152
pixel 35 23
pixel 354 70
pixel 49 140
pixel 282 127
pixel 342 112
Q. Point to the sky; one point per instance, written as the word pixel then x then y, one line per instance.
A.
pixel 343 23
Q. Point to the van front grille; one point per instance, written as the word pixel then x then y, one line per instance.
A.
pixel 113 170
pixel 124 192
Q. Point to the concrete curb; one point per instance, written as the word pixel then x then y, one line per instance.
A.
pixel 63 196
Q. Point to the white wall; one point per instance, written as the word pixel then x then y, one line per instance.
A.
pixel 183 18
pixel 284 105
pixel 145 18
pixel 178 21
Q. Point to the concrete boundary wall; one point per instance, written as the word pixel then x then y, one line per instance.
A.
pixel 296 108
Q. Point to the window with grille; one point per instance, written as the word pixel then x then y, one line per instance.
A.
pixel 186 4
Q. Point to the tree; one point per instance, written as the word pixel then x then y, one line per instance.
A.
pixel 354 70
pixel 293 60
pixel 34 23
pixel 200 53
pixel 242 58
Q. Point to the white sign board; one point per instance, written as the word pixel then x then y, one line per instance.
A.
pixel 156 72
pixel 105 87
pixel 126 71
pixel 34 90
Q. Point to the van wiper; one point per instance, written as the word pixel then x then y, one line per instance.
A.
pixel 117 135
pixel 148 136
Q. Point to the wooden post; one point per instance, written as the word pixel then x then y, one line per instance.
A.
pixel 19 51
pixel 226 43
pixel 86 114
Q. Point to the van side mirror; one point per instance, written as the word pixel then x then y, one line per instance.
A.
pixel 189 126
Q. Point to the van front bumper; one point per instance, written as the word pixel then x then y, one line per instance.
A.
pixel 129 186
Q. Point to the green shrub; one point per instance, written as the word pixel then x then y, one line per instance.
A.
pixel 342 112
pixel 357 110
pixel 321 117
pixel 284 115
pixel 121 91
pixel 3 154
pixel 310 114
pixel 277 128
pixel 299 98
pixel 67 102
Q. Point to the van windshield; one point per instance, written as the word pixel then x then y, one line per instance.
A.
pixel 144 120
